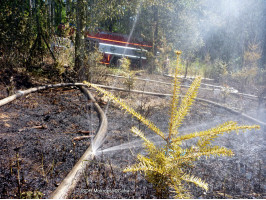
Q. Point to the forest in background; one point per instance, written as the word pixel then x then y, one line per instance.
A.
pixel 216 37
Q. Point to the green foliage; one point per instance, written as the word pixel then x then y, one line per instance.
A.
pixel 167 167
pixel 32 195
pixel 112 15
pixel 16 32
pixel 93 70
pixel 217 70
pixel 245 76
pixel 203 27
pixel 129 74
pixel 152 65
pixel 64 56
pixel 164 48
pixel 252 55
pixel 249 74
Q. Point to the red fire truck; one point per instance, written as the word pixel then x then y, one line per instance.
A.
pixel 115 46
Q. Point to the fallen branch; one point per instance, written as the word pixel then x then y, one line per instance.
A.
pixel 34 127
pixel 85 132
pixel 82 137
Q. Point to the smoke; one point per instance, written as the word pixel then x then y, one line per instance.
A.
pixel 223 28
pixel 232 16
pixel 231 25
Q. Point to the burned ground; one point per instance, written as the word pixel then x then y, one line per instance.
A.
pixel 37 133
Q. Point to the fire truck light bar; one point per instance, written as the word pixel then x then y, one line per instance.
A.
pixel 117 41
pixel 129 56
pixel 132 48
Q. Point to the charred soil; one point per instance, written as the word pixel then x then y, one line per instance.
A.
pixel 39 147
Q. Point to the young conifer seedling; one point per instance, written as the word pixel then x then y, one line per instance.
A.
pixel 167 167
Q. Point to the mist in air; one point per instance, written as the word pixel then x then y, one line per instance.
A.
pixel 221 28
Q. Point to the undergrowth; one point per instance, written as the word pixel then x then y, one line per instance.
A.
pixel 129 74
pixel 167 167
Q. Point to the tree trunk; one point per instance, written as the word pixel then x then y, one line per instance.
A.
pixel 68 9
pixel 49 16
pixel 79 40
pixel 53 13
pixel 60 12
pixel 156 29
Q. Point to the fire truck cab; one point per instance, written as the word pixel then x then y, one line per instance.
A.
pixel 115 46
